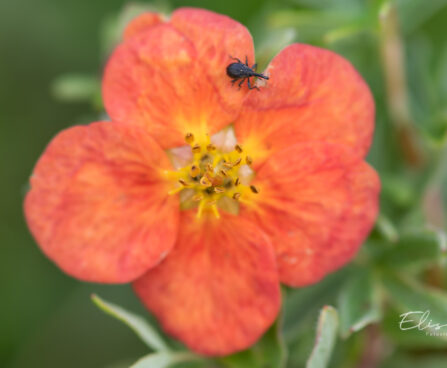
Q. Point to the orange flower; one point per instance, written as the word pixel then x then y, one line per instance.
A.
pixel 270 187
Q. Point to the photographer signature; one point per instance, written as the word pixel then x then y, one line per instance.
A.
pixel 418 319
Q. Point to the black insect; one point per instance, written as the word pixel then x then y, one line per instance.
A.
pixel 242 72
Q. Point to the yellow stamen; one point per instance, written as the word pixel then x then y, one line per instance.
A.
pixel 205 181
pixel 254 189
pixel 189 138
pixel 183 182
pixel 212 178
pixel 215 211
pixel 194 171
pixel 175 190
pixel 200 209
pixel 228 165
pixel 197 198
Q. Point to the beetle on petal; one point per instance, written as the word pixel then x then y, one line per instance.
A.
pixel 242 72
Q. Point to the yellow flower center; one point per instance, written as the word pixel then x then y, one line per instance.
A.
pixel 216 177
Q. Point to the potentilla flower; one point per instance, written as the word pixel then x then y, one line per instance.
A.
pixel 207 196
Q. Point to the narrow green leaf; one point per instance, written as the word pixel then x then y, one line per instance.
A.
pixel 303 305
pixel 414 361
pixel 164 359
pixel 387 229
pixel 359 303
pixel 414 250
pixel 269 352
pixel 75 87
pixel 137 323
pixel 325 339
pixel 413 13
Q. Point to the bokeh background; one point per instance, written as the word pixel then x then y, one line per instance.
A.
pixel 51 57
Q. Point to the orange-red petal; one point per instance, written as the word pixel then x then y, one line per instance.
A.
pixel 218 290
pixel 312 94
pixel 98 206
pixel 141 23
pixel 318 202
pixel 171 77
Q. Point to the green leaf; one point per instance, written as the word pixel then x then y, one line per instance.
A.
pixel 269 352
pixel 303 305
pixel 415 361
pixel 387 229
pixel 114 25
pixel 312 24
pixel 325 340
pixel 272 42
pixel 75 87
pixel 414 250
pixel 137 323
pixel 413 13
pixel 359 303
pixel 407 295
pixel 164 359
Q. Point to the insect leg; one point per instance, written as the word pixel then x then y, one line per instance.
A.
pixel 234 80
pixel 234 58
pixel 246 60
pixel 250 86
pixel 242 81
pixel 254 67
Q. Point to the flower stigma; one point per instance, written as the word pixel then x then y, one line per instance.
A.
pixel 216 174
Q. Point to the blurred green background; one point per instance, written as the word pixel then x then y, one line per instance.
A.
pixel 51 59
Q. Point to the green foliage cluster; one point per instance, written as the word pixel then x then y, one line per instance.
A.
pixel 351 318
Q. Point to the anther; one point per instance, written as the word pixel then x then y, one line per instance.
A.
pixel 238 148
pixel 210 168
pixel 196 148
pixel 237 162
pixel 183 182
pixel 205 181
pixel 254 189
pixel 219 189
pixel 237 182
pixel 236 196
pixel 248 160
pixel 189 138
pixel 211 147
pixel 228 165
pixel 224 173
pixel 194 171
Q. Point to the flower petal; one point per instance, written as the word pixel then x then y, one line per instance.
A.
pixel 312 94
pixel 171 77
pixel 318 202
pixel 98 206
pixel 218 290
pixel 216 38
pixel 141 23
